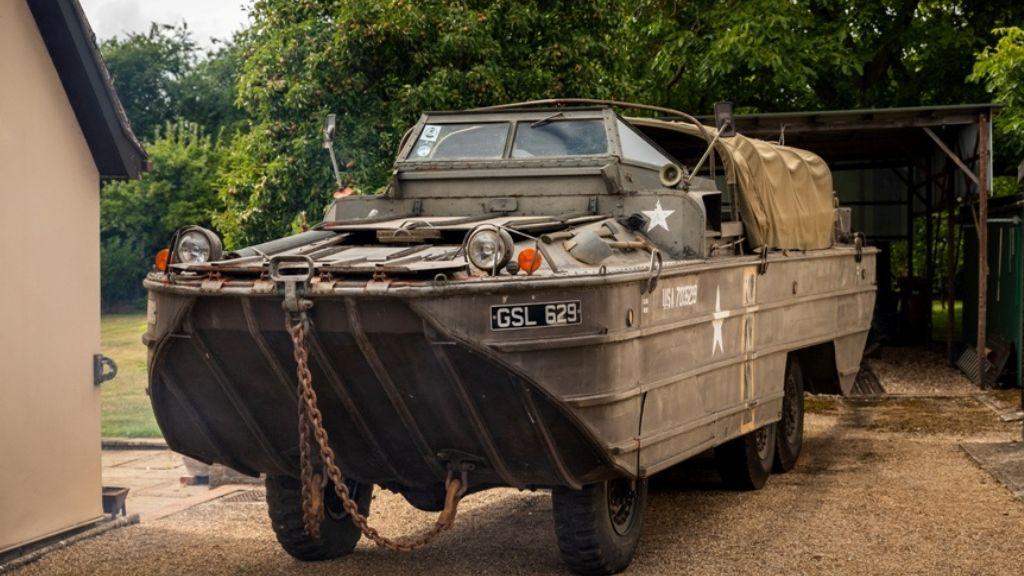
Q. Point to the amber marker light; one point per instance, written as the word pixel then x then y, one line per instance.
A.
pixel 529 260
pixel 160 261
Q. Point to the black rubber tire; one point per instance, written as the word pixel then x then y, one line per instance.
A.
pixel 789 436
pixel 430 499
pixel 590 541
pixel 338 535
pixel 746 462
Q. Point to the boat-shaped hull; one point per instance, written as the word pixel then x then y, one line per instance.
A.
pixel 411 378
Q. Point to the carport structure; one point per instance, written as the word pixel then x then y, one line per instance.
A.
pixel 904 172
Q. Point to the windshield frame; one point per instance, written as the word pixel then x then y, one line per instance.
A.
pixel 605 115
pixel 609 117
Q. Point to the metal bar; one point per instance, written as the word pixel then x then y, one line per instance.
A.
pixel 394 396
pixel 910 223
pixel 549 444
pixel 956 159
pixel 896 170
pixel 929 241
pixel 264 348
pixel 983 187
pixel 873 203
pixel 339 389
pixel 228 389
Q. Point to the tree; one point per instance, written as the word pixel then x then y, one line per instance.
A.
pixel 774 55
pixel 139 216
pixel 147 69
pixel 378 65
pixel 162 76
pixel 1001 70
pixel 207 92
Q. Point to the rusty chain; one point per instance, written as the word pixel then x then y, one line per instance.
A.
pixel 313 437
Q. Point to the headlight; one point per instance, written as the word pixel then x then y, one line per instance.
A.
pixel 489 248
pixel 197 245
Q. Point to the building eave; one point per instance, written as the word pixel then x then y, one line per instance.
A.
pixel 69 39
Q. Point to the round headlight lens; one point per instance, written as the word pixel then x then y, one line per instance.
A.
pixel 197 246
pixel 489 248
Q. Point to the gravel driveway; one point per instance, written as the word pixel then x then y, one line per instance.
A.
pixel 882 488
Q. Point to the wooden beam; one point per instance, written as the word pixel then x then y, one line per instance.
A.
pixel 950 199
pixel 983 186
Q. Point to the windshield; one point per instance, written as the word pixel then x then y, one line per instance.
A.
pixel 559 138
pixel 460 141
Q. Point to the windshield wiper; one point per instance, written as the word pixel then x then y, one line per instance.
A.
pixel 547 120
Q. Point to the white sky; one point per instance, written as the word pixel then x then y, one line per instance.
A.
pixel 206 18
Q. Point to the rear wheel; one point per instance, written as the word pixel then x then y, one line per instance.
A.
pixel 338 535
pixel 598 527
pixel 746 462
pixel 789 439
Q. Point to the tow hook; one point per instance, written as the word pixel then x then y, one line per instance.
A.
pixel 461 464
pixel 292 274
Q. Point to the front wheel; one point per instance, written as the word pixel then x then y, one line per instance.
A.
pixel 598 527
pixel 338 535
pixel 746 462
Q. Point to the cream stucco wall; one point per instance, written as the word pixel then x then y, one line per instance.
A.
pixel 49 304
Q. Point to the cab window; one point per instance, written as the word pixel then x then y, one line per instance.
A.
pixel 460 141
pixel 559 138
pixel 636 148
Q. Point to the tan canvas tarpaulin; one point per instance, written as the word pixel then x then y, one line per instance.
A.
pixel 785 194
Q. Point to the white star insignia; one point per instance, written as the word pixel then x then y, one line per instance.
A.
pixel 718 319
pixel 657 217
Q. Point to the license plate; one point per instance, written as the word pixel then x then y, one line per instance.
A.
pixel 515 316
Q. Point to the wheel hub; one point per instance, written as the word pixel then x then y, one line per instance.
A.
pixel 761 440
pixel 622 499
pixel 332 504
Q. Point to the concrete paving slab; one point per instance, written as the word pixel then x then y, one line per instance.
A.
pixel 121 457
pixel 1003 460
pixel 152 477
pixel 165 460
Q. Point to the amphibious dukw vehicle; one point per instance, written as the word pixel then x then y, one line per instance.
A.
pixel 545 298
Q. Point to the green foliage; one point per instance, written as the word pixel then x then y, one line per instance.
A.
pixel 122 267
pixel 379 64
pixel 174 96
pixel 207 92
pixel 161 76
pixel 772 55
pixel 139 216
pixel 147 69
pixel 1001 70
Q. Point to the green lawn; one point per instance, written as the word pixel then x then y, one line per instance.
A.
pixel 126 410
pixel 940 318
